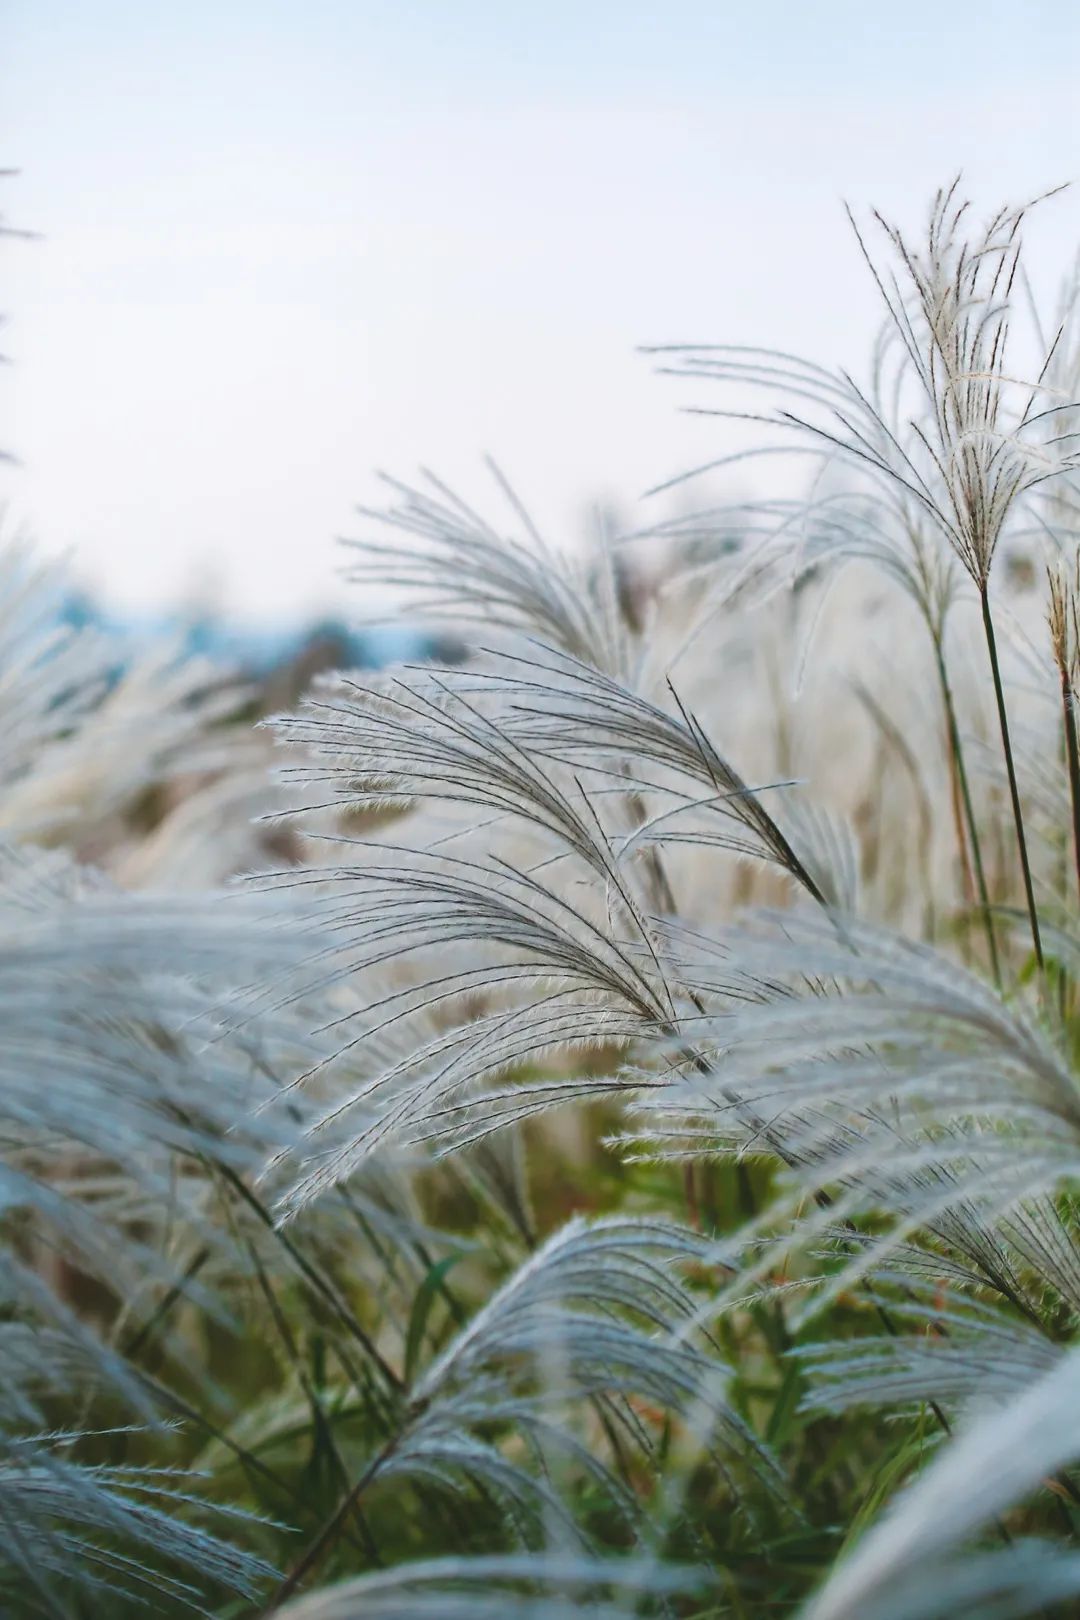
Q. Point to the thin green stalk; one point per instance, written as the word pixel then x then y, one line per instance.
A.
pixel 1072 755
pixel 1014 791
pixel 318 1283
pixel 330 1531
pixel 957 750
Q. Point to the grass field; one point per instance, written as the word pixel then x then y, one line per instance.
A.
pixel 592 1128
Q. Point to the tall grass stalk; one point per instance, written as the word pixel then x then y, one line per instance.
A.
pixel 1072 755
pixel 1065 645
pixel 970 824
pixel 1010 769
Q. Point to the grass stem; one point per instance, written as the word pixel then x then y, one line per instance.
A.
pixel 1010 768
pixel 957 751
pixel 1072 756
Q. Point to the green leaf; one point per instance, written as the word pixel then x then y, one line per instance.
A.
pixel 421 1310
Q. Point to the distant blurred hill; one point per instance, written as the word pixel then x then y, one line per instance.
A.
pixel 280 660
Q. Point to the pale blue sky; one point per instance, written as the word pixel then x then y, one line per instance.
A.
pixel 283 244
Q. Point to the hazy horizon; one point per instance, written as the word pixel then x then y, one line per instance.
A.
pixel 280 249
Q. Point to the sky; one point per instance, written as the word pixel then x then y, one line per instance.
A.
pixel 282 246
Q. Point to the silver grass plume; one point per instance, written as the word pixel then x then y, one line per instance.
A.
pixel 909 1566
pixel 597 1313
pixel 532 1587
